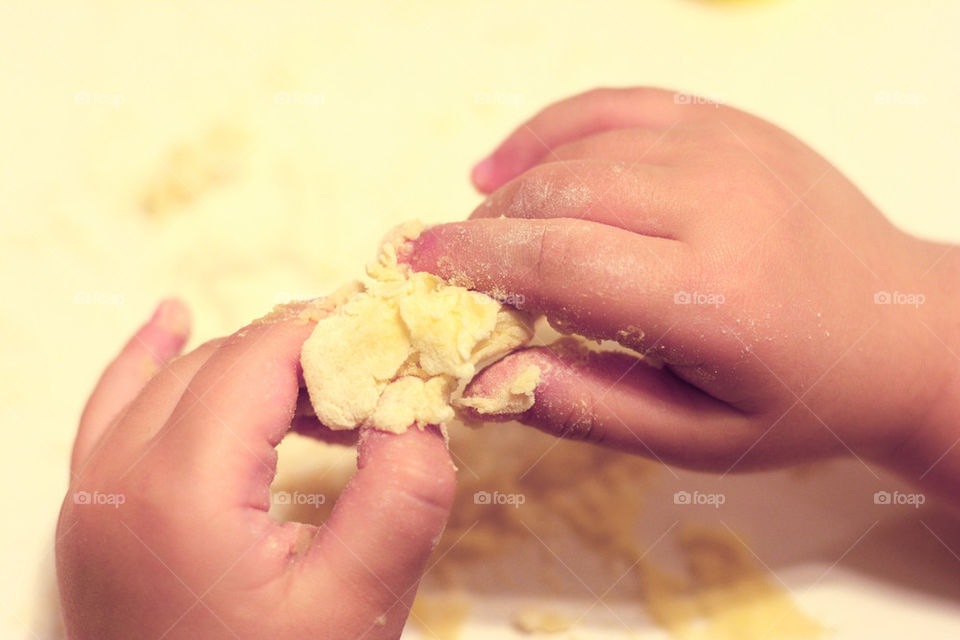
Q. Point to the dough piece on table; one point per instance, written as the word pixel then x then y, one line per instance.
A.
pixel 400 349
pixel 535 620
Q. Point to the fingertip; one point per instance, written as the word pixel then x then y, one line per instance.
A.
pixel 494 396
pixel 159 340
pixel 390 517
pixel 428 471
pixel 310 427
pixel 483 175
pixel 164 335
pixel 172 316
pixel 425 252
pixel 412 479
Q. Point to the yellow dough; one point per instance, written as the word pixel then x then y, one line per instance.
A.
pixel 400 349
pixel 513 396
pixel 533 620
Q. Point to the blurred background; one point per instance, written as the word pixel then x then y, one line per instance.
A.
pixel 240 154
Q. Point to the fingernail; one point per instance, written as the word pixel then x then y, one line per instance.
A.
pixel 408 247
pixel 172 316
pixel 483 172
pixel 419 252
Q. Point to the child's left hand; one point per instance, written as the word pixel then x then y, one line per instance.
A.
pixel 165 531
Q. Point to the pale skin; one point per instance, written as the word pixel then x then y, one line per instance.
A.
pixel 191 552
pixel 603 210
pixel 608 211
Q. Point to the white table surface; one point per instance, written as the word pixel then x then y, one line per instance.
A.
pixel 387 126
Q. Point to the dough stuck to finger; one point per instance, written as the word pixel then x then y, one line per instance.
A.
pixel 399 350
pixel 511 395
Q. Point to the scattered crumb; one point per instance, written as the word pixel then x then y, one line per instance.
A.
pixel 723 595
pixel 440 616
pixel 190 170
pixel 537 620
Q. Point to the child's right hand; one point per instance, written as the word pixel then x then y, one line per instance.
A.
pixel 180 543
pixel 721 245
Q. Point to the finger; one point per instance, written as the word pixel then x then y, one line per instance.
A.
pixel 628 147
pixel 159 398
pixel 582 115
pixel 386 523
pixel 150 410
pixel 237 408
pixel 618 401
pixel 156 342
pixel 587 278
pixel 305 423
pixel 312 428
pixel 639 198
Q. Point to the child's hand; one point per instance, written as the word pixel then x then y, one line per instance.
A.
pixel 725 248
pixel 165 531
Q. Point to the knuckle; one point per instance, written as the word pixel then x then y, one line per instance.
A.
pixel 557 244
pixel 652 93
pixel 599 93
pixel 427 490
pixel 534 194
pixel 602 93
pixel 577 420
pixel 703 135
pixel 590 99
pixel 212 345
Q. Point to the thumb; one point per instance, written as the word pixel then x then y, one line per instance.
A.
pixel 388 520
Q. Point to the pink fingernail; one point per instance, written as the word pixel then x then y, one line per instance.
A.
pixel 420 253
pixel 483 172
pixel 172 316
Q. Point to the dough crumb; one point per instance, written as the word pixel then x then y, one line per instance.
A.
pixel 402 345
pixel 514 395
pixel 722 593
pixel 191 170
pixel 307 311
pixel 440 616
pixel 535 620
